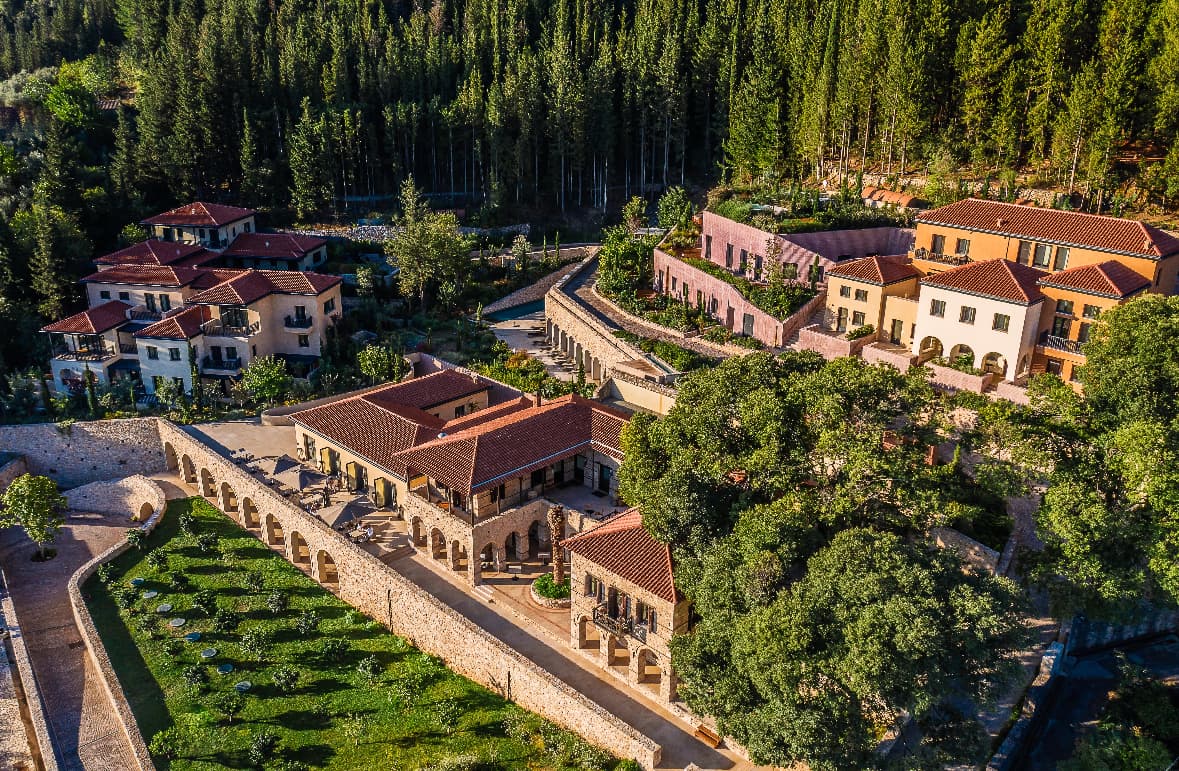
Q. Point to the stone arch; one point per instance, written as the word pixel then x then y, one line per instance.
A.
pixel 597 370
pixel 930 348
pixel 539 538
pixel 458 556
pixel 510 551
pixel 616 652
pixel 588 637
pixel 171 461
pixel 297 550
pixel 145 511
pixel 208 485
pixel 228 499
pixel 188 470
pixel 417 531
pixel 273 530
pixel 647 670
pixel 325 568
pixel 996 363
pixel 962 350
pixel 249 514
pixel 437 544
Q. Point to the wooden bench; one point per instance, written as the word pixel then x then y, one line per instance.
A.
pixel 708 736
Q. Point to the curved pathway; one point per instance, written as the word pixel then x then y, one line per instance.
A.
pixel 85 730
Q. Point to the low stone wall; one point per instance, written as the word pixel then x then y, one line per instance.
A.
pixel 979 555
pixel 379 591
pixel 535 292
pixel 655 397
pixel 28 679
pixel 879 354
pixel 98 654
pixel 829 345
pixel 11 470
pixel 951 379
pixel 547 602
pixel 137 496
pixel 658 330
pixel 1011 392
pixel 87 451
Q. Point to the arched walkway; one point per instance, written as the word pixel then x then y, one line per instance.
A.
pixel 274 532
pixel 617 654
pixel 960 352
pixel 249 514
pixel 298 552
pixel 171 462
pixel 145 511
pixel 996 363
pixel 647 669
pixel 208 486
pixel 588 637
pixel 437 544
pixel 931 348
pixel 188 470
pixel 325 568
pixel 417 532
pixel 228 499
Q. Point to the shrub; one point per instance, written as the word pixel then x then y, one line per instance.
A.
pixel 253 581
pixel 276 602
pixel 333 650
pixel 286 679
pixel 165 744
pixel 178 582
pixel 545 587
pixel 124 596
pixel 447 712
pixel 520 726
pixel 205 601
pixel 187 523
pixel 859 332
pixel 225 621
pixel 173 647
pixel 257 642
pixel 105 572
pixel 307 623
pixel 207 542
pixel 228 704
pixel 458 763
pixel 629 765
pixel 263 746
pixel 194 676
pixel 147 624
pixel 135 537
pixel 370 668
pixel 158 559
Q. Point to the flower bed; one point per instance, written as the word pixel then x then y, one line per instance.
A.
pixel 547 593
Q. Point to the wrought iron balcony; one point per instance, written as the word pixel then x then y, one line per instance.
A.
pixel 216 328
pixel 221 365
pixel 945 259
pixel 85 354
pixel 141 313
pixel 1060 343
pixel 128 348
pixel 298 322
pixel 617 626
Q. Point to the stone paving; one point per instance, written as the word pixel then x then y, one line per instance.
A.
pixel 14 741
pixel 84 727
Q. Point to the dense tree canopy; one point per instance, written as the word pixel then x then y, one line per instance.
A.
pixel 824 611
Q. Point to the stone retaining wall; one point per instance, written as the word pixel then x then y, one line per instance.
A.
pixel 11 470
pixel 951 379
pixel 535 292
pixel 377 590
pixel 830 345
pixel 87 451
pixel 28 679
pixel 136 495
pixel 658 330
pixel 879 354
pixel 970 550
pixel 98 654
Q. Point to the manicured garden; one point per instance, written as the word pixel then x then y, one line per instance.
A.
pixel 328 687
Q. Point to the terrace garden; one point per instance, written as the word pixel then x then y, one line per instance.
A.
pixel 328 687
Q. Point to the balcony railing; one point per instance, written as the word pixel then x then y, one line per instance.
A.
pixel 221 365
pixel 128 348
pixel 85 354
pixel 298 322
pixel 1060 343
pixel 945 259
pixel 619 626
pixel 216 328
pixel 141 313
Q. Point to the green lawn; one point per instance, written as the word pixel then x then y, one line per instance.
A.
pixel 409 711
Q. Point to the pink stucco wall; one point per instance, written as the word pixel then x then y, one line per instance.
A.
pixel 880 354
pixel 954 380
pixel 828 345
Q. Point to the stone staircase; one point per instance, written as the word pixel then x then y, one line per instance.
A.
pixel 484 592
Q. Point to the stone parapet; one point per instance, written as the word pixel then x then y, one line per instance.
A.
pixel 950 379
pixel 11 470
pixel 658 330
pixel 831 345
pixel 28 679
pixel 879 353
pixel 77 453
pixel 137 496
pixel 971 551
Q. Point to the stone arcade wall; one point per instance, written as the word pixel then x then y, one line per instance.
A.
pixel 377 590
pixel 87 452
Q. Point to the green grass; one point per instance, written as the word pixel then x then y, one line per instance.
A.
pixel 415 713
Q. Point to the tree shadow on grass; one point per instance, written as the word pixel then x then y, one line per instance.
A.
pixel 313 755
pixel 302 720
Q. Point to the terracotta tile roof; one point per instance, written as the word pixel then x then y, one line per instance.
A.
pixel 522 441
pixel 1108 279
pixel 367 430
pixel 157 252
pixel 1000 279
pixel 184 325
pixel 246 286
pixel 890 197
pixel 281 246
pixel 876 270
pixel 487 414
pixel 1089 231
pixel 201 215
pixel 623 547
pixel 428 391
pixel 100 318
pixel 147 275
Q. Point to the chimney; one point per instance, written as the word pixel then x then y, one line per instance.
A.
pixel 1000 222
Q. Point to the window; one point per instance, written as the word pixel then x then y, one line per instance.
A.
pixel 674 281
pixel 1064 307
pixel 460 410
pixel 858 319
pixel 150 300
pixel 124 296
pixel 1025 252
pixel 729 256
pixel 1083 333
pixel 937 308
pixel 845 291
pixel 153 353
pixel 1061 261
pixel 304 341
pixel 937 244
pixel 744 260
pixel 862 295
pixel 230 352
pixel 708 247
pixel 165 303
pixel 1041 255
pixel 537 479
pixel 1091 311
pixel 645 615
pixel 179 381
pixel 1061 327
pixel 105 294
pixel 329 306
pixel 174 354
pixel 966 315
pixel 593 587
pixel 1053 366
pixel 841 320
pixel 962 247
pixel 1001 323
pixel 757 258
